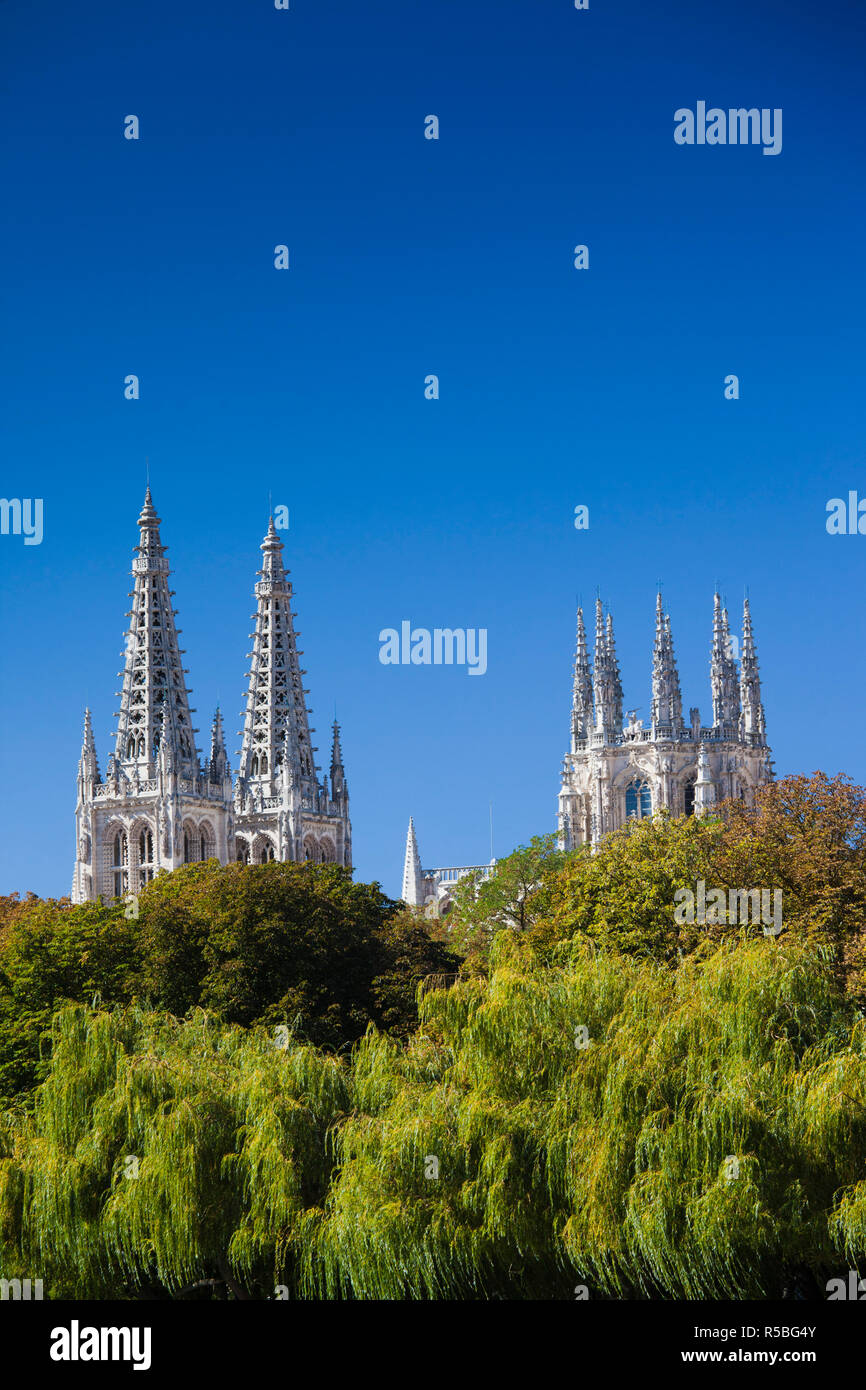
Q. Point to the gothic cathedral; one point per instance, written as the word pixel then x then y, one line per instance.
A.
pixel 158 806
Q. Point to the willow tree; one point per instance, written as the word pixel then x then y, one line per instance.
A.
pixel 605 1126
pixel 165 1154
pixel 602 1124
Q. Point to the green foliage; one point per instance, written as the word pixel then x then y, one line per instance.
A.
pixel 623 895
pixel 162 1153
pixel 277 943
pixel 609 1164
pixel 50 952
pixel 605 1097
pixel 516 894
pixel 705 1132
pixel 805 836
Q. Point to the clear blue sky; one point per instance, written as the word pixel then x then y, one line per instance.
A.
pixel 411 257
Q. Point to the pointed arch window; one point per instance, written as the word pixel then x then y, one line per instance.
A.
pixel 243 852
pixel 638 800
pixel 120 860
pixel 689 798
pixel 187 848
pixel 146 862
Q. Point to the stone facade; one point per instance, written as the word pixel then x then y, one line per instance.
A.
pixel 159 806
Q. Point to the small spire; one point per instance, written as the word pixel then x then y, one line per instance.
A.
pixel 617 683
pixel 581 704
pixel 608 686
pixel 88 745
pixel 723 670
pixel 88 763
pixel 752 720
pixel 667 704
pixel 412 877
pixel 218 761
pixel 336 750
pixel 339 786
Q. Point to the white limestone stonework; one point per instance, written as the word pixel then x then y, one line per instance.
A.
pixel 159 806
pixel 614 771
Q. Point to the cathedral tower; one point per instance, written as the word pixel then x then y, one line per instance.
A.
pixel 613 773
pixel 155 809
pixel 282 810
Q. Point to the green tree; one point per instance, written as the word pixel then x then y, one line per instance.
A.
pixel 51 952
pixel 166 1155
pixel 606 1121
pixel 516 894
pixel 292 943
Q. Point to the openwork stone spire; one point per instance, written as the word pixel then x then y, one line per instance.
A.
pixel 154 699
pixel 276 724
pixel 667 704
pixel 608 687
pixel 282 810
pixel 752 716
pixel 154 810
pixel 582 698
pixel 723 671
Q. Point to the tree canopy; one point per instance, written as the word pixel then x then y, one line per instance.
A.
pixel 290 943
pixel 277 1082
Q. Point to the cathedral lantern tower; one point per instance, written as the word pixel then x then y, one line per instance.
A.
pixel 155 809
pixel 612 773
pixel 283 810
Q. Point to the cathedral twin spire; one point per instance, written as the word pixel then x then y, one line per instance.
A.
pixel 159 806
